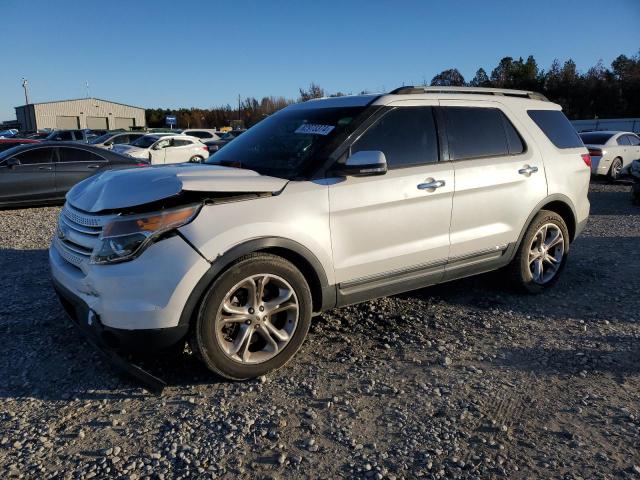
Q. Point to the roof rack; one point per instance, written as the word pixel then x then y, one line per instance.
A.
pixel 409 90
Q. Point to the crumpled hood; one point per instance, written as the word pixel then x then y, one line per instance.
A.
pixel 138 186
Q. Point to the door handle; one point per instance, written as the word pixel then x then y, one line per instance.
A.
pixel 527 170
pixel 93 166
pixel 45 168
pixel 432 185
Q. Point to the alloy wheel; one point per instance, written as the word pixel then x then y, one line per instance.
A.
pixel 546 253
pixel 257 318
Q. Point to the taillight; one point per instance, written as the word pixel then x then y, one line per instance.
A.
pixel 205 148
pixel 142 164
pixel 586 158
pixel 595 152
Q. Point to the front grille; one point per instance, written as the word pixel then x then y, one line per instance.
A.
pixel 78 234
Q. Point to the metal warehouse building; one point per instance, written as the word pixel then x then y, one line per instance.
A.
pixel 91 113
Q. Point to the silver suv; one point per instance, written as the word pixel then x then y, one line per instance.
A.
pixel 323 204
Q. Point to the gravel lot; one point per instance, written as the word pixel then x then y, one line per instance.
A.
pixel 463 380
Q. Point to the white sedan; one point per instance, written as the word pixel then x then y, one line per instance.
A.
pixel 161 149
pixel 611 152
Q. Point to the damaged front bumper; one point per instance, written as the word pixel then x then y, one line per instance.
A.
pixel 112 342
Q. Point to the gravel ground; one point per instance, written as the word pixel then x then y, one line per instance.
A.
pixel 462 380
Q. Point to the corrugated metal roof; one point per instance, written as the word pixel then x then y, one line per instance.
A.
pixel 82 100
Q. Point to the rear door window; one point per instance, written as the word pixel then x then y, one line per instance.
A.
pixel 475 132
pixel 407 136
pixel 556 127
pixel 623 140
pixel 67 155
pixel 179 142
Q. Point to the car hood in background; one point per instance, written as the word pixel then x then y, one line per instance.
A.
pixel 117 189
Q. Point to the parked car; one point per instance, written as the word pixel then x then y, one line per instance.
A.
pixel 10 133
pixel 7 143
pixel 611 152
pixel 215 145
pixel 333 201
pixel 163 148
pixel 42 173
pixel 109 139
pixel 204 134
pixel 68 136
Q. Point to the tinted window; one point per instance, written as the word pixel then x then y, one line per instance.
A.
pixel 477 132
pixel 595 138
pixel 200 134
pixel 177 142
pixel 623 140
pixel 118 139
pixel 635 141
pixel 407 136
pixel 556 127
pixel 514 139
pixel 77 155
pixel 37 155
pixel 61 136
pixel 78 134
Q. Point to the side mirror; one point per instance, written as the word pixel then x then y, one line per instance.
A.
pixel 108 144
pixel 13 162
pixel 362 164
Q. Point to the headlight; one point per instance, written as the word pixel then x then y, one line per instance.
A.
pixel 126 237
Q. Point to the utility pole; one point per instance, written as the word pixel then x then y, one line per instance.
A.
pixel 25 85
pixel 239 117
pixel 87 85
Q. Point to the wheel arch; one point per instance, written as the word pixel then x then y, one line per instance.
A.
pixel 560 204
pixel 323 295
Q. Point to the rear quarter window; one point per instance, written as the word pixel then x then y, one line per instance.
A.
pixel 556 127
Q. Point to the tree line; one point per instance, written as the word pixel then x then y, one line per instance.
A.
pixel 600 92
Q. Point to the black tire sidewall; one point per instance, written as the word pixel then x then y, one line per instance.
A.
pixel 209 350
pixel 524 274
pixel 612 175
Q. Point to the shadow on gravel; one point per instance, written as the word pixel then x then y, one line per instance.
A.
pixel 579 293
pixel 615 355
pixel 44 355
pixel 612 203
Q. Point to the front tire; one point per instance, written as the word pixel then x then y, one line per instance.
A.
pixel 542 254
pixel 254 318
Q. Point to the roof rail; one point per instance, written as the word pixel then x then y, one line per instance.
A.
pixel 409 90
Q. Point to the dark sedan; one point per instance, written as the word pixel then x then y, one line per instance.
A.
pixel 214 145
pixel 42 173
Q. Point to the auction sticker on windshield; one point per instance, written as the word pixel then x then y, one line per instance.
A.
pixel 314 129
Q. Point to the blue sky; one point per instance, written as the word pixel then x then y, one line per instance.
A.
pixel 201 54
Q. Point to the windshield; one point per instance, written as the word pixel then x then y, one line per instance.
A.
pixel 145 142
pixel 595 138
pixel 283 144
pixel 101 138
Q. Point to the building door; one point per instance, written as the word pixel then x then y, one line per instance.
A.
pixel 67 123
pixel 97 123
pixel 124 123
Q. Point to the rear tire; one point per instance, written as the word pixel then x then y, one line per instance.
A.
pixel 615 169
pixel 253 319
pixel 196 159
pixel 542 253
